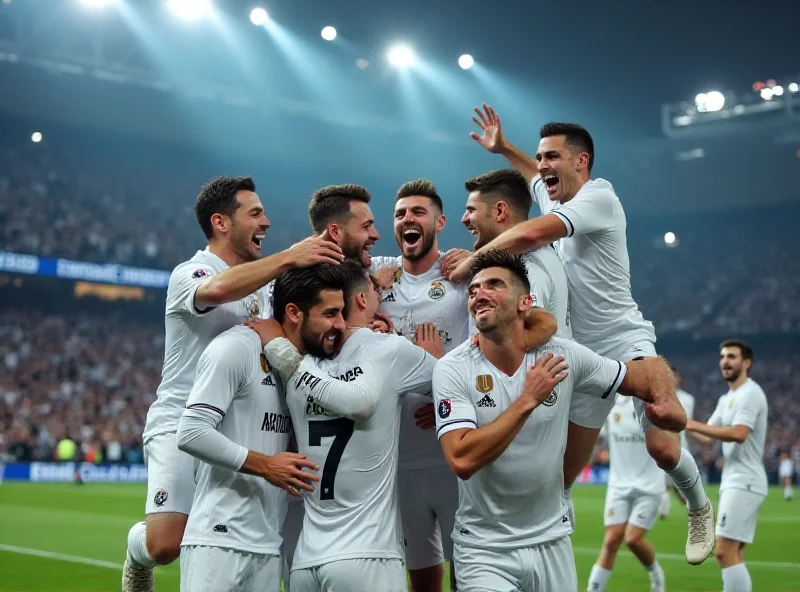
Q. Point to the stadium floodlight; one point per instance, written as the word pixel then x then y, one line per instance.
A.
pixel 258 16
pixel 466 61
pixel 766 94
pixel 36 137
pixel 777 91
pixel 401 56
pixel 669 238
pixel 190 10
pixel 793 87
pixel 709 102
pixel 328 33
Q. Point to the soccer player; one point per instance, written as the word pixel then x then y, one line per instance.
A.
pixel 740 423
pixel 502 418
pixel 633 497
pixel 785 474
pixel 236 422
pixel 687 402
pixel 428 489
pixel 216 289
pixel 586 218
pixel 351 537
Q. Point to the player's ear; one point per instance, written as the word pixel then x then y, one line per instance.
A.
pixel 220 222
pixel 361 300
pixel 334 232
pixel 501 211
pixel 525 303
pixel 293 313
pixel 441 220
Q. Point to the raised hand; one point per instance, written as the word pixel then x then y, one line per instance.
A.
pixel 491 137
pixel 543 377
pixel 451 260
pixel 315 249
pixel 382 324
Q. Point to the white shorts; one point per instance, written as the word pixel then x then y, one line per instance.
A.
pixel 170 476
pixel 428 504
pixel 548 567
pixel 352 575
pixel 634 507
pixel 214 569
pixel 737 514
pixel 785 470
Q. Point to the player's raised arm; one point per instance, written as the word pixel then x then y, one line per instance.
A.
pixel 706 433
pixel 240 281
pixel 467 447
pixel 494 141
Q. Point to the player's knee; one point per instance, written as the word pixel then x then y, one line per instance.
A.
pixel 613 541
pixel 726 552
pixel 164 547
pixel 632 539
pixel 663 449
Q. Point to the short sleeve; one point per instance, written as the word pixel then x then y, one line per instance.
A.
pixel 594 374
pixel 223 369
pixel 415 367
pixel 183 284
pixel 454 409
pixel 747 409
pixel 716 417
pixel 591 210
pixel 541 283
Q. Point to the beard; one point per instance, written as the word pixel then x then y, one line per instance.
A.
pixel 353 250
pixel 427 245
pixel 314 343
pixel 734 375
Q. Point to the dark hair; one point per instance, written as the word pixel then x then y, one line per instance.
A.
pixel 575 136
pixel 421 187
pixel 504 259
pixel 504 185
pixel 303 286
pixel 354 278
pixel 218 196
pixel 332 204
pixel 744 347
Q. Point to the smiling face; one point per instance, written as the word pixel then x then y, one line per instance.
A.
pixel 248 226
pixel 359 234
pixel 563 172
pixel 323 324
pixel 416 223
pixel 480 219
pixel 496 300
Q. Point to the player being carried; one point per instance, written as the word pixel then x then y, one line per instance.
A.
pixel 344 399
pixel 502 418
pixel 216 289
pixel 740 423
pixel 586 220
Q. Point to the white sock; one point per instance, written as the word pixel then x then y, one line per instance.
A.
pixel 686 478
pixel 736 578
pixel 137 547
pixel 654 571
pixel 598 579
pixel 666 504
pixel 787 492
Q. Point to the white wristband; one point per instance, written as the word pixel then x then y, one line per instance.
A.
pixel 283 356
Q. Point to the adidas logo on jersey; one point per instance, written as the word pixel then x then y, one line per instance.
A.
pixel 268 380
pixel 487 401
pixel 388 298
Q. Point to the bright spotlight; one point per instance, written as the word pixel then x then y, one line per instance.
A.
pixel 190 10
pixel 98 3
pixel 669 238
pixel 258 16
pixel 36 137
pixel 793 87
pixel 466 61
pixel 329 33
pixel 777 91
pixel 766 94
pixel 401 56
pixel 709 102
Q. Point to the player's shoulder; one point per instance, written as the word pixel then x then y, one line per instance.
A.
pixel 460 356
pixel 199 266
pixel 598 188
pixel 234 343
pixel 561 346
pixel 751 389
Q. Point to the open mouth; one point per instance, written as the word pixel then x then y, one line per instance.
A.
pixel 257 240
pixel 366 258
pixel 551 182
pixel 411 237
pixel 483 310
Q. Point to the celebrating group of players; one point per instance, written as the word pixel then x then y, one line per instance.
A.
pixel 302 444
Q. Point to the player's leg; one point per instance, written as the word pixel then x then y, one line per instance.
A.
pixel 481 570
pixel 421 533
pixel 362 575
pixel 736 527
pixel 170 491
pixel 443 494
pixel 305 580
pixel 615 517
pixel 292 526
pixel 213 569
pixel 265 574
pixel 787 487
pixel 554 567
pixel 644 514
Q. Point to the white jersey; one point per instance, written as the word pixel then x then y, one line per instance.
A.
pixel 188 332
pixel 231 509
pixel 353 511
pixel 687 402
pixel 744 463
pixel 516 501
pixel 632 470
pixel 549 287
pixel 595 257
pixel 415 299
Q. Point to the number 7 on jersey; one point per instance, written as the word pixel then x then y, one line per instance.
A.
pixel 341 430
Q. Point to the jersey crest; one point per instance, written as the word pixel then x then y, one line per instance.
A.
pixel 551 399
pixel 251 304
pixel 484 383
pixel 617 417
pixel 730 403
pixel 437 290
pixel 199 273
pixel 445 407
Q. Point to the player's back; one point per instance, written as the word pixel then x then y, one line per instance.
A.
pixel 595 257
pixel 410 301
pixel 232 509
pixel 188 332
pixel 549 286
pixel 353 511
pixel 631 467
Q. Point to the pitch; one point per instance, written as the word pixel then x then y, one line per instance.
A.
pixel 68 538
